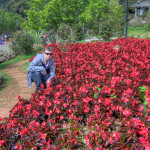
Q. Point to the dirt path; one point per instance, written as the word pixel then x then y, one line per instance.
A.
pixel 17 87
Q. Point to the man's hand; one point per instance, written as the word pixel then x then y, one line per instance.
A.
pixel 45 72
pixel 47 82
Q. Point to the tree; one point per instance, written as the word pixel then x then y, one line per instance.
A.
pixel 3 3
pixel 18 6
pixel 35 15
pixel 130 1
pixel 50 14
pixel 8 21
pixel 103 17
pixel 76 13
pixel 94 12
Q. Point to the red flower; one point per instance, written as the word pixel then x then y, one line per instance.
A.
pixel 147 147
pixel 57 110
pixel 43 135
pixel 1 119
pixel 28 107
pixel 83 89
pixel 23 131
pixel 127 112
pixel 35 113
pixel 45 36
pixel 57 94
pixel 42 97
pixel 41 103
pixel 125 99
pixel 1 142
pixel 53 127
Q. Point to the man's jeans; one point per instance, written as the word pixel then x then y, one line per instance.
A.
pixel 38 78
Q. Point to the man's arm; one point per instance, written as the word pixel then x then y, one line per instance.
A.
pixel 33 66
pixel 52 70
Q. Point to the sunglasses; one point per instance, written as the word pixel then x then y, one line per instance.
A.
pixel 49 54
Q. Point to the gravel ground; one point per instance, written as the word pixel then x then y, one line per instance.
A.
pixel 5 46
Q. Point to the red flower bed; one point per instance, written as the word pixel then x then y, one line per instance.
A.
pixel 99 100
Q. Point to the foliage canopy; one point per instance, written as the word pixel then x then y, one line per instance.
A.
pixel 76 13
pixel 8 21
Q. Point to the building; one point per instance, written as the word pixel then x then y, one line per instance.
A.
pixel 140 7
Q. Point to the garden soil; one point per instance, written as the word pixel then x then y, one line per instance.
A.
pixel 16 87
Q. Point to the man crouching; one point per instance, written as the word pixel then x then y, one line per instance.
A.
pixel 41 69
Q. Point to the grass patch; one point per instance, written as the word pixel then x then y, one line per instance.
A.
pixel 136 31
pixel 6 81
pixel 132 31
pixel 16 59
pixel 7 78
pixel 82 41
pixel 24 67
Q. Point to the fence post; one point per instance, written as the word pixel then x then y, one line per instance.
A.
pixel 126 19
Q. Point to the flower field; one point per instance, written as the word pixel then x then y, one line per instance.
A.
pixel 98 100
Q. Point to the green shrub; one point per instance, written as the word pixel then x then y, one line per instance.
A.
pixel 65 34
pixel 36 36
pixel 78 31
pixel 118 29
pixel 22 43
pixel 38 47
pixel 105 30
pixel 136 23
pixel 51 36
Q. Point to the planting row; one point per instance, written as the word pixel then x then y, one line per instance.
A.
pixel 99 99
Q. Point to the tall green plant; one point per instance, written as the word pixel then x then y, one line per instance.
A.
pixel 148 20
pixel 105 30
pixel 65 34
pixel 142 93
pixel 36 36
pixel 22 43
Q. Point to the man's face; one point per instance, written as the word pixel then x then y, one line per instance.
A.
pixel 48 54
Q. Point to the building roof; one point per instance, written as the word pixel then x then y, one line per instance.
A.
pixel 144 3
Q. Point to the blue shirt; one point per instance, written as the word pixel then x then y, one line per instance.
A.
pixel 37 65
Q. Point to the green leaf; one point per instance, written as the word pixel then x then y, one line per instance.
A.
pixel 19 142
pixel 145 109
pixel 123 137
pixel 140 101
pixel 147 124
pixel 142 89
pixel 79 137
pixel 84 141
pixel 145 103
pixel 99 89
pixel 113 96
pixel 85 128
pixel 95 95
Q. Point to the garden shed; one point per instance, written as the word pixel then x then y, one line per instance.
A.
pixel 140 7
